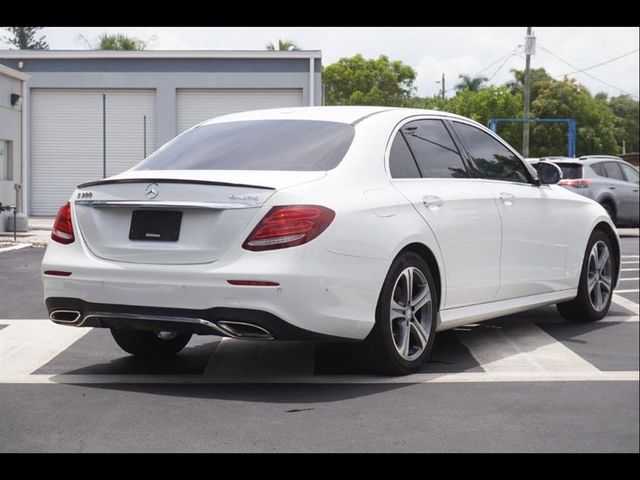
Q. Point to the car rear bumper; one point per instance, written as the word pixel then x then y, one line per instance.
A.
pixel 317 291
pixel 229 322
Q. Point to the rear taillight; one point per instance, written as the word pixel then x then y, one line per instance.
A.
pixel 575 182
pixel 62 231
pixel 288 226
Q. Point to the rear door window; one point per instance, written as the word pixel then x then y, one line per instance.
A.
pixel 613 171
pixel 434 150
pixel 401 161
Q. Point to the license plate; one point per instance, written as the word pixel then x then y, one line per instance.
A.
pixel 155 225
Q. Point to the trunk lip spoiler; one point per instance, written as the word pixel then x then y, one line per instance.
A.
pixel 163 204
pixel 169 180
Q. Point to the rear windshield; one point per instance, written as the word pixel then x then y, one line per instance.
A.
pixel 570 170
pixel 255 145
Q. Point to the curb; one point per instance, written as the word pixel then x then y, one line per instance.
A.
pixel 15 247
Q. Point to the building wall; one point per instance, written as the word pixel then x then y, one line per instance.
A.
pixel 168 75
pixel 165 76
pixel 11 130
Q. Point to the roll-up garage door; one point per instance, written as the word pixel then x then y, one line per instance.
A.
pixel 197 105
pixel 76 133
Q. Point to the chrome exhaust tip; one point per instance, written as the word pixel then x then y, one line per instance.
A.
pixel 65 316
pixel 245 330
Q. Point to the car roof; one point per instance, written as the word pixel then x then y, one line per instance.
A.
pixel 345 114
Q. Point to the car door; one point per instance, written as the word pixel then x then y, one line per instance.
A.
pixel 631 189
pixel 536 220
pixel 426 166
pixel 619 190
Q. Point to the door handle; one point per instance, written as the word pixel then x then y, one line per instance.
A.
pixel 612 188
pixel 432 202
pixel 507 198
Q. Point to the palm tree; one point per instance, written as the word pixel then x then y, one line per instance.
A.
pixel 472 84
pixel 283 45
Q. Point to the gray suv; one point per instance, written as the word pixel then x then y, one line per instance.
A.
pixel 608 180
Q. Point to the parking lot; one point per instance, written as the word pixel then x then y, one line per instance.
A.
pixel 530 382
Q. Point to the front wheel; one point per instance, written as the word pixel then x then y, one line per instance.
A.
pixel 595 289
pixel 404 332
pixel 149 344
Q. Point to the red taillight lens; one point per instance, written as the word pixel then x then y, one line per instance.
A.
pixel 288 226
pixel 575 182
pixel 62 231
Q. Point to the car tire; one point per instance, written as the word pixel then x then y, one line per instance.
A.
pixel 404 331
pixel 147 344
pixel 590 304
pixel 611 210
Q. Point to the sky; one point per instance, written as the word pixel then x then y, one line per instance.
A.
pixel 431 51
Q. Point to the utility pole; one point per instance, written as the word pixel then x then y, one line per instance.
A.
pixel 529 49
pixel 443 86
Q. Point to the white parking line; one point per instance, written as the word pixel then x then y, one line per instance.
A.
pixel 26 345
pixel 521 347
pixel 629 291
pixel 630 256
pixel 629 269
pixel 463 377
pixel 631 262
pixel 623 302
pixel 620 319
pixel 629 279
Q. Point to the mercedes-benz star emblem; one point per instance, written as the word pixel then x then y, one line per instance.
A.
pixel 151 191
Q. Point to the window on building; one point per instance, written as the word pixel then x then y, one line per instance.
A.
pixel 5 156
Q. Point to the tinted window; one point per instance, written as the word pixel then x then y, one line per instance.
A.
pixel 599 169
pixel 570 170
pixel 631 173
pixel 613 171
pixel 401 162
pixel 255 145
pixel 493 159
pixel 434 149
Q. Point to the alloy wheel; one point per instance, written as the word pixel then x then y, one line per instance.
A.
pixel 411 313
pixel 599 276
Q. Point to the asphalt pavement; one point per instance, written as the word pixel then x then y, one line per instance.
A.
pixel 530 382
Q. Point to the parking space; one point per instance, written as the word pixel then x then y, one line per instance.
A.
pixel 526 382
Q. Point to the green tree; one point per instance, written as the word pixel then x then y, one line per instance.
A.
pixel 359 81
pixel 487 103
pixel 25 38
pixel 120 41
pixel 627 125
pixel 283 45
pixel 470 83
pixel 568 99
pixel 539 80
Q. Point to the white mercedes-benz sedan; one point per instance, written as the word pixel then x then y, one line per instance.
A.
pixel 376 225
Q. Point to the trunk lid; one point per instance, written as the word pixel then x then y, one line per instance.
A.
pixel 214 206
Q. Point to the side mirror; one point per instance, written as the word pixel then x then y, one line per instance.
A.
pixel 548 173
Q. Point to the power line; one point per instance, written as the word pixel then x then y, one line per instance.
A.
pixel 501 65
pixel 508 55
pixel 593 62
pixel 578 70
pixel 600 64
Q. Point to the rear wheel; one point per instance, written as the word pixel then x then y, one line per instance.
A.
pixel 404 331
pixel 595 289
pixel 148 344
